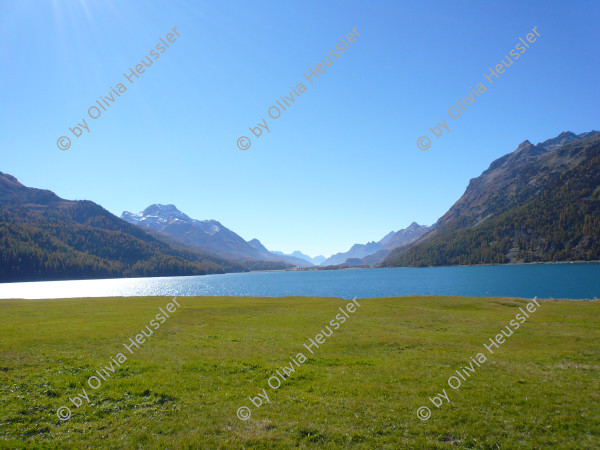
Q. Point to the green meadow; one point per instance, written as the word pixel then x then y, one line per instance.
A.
pixel 360 389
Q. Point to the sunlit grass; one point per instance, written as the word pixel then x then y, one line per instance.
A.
pixel 361 388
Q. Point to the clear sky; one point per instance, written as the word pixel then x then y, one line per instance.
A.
pixel 341 164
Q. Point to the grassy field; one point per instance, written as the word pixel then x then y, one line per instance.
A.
pixel 360 389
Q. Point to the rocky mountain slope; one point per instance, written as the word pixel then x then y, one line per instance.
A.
pixel 538 203
pixel 298 254
pixel 207 235
pixel 45 237
pixel 375 252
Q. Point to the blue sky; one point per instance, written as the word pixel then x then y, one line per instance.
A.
pixel 341 165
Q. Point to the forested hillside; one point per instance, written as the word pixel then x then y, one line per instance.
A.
pixel 539 203
pixel 43 237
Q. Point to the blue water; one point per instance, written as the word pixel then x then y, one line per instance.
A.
pixel 574 281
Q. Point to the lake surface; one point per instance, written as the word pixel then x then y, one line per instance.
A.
pixel 574 281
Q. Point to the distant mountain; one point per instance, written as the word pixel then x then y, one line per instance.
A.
pixel 404 237
pixel 45 237
pixel 297 254
pixel 207 235
pixel 289 259
pixel 356 251
pixel 395 240
pixel 374 252
pixel 538 203
pixel 258 246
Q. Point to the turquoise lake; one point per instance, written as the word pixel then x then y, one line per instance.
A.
pixel 573 281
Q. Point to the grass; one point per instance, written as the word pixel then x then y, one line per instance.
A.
pixel 360 389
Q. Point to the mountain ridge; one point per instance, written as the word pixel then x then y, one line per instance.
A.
pixel 298 254
pixel 45 237
pixel 374 252
pixel 538 203
pixel 207 235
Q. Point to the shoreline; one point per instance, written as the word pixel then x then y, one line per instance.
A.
pixel 306 269
pixel 305 297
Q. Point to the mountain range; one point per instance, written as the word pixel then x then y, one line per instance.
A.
pixel 207 235
pixel 45 237
pixel 373 252
pixel 298 254
pixel 539 203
